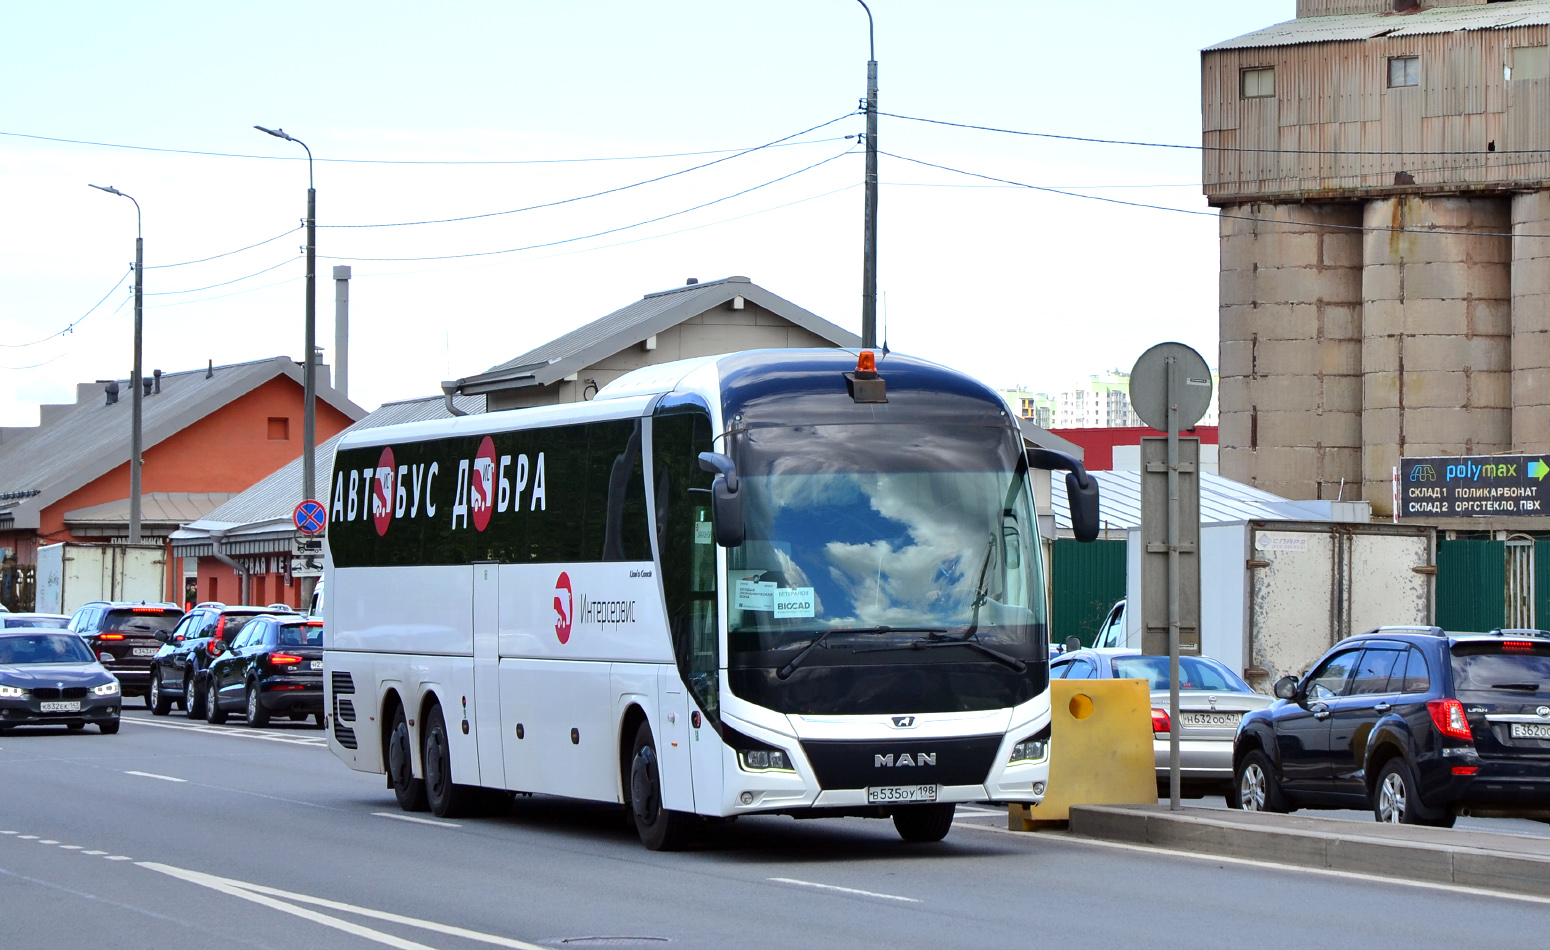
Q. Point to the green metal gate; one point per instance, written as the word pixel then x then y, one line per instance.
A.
pixel 1471 581
pixel 1086 579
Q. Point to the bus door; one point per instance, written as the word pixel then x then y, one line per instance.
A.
pixel 487 702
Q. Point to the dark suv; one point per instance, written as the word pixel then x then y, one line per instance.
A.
pixel 1415 723
pixel 275 668
pixel 177 672
pixel 123 638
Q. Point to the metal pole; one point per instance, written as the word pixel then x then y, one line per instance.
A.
pixel 139 389
pixel 869 240
pixel 309 373
pixel 1173 583
pixel 342 328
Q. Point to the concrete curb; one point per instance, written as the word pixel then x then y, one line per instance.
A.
pixel 1473 859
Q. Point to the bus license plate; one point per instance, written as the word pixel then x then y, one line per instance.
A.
pixel 317 664
pixel 72 706
pixel 1530 730
pixel 891 794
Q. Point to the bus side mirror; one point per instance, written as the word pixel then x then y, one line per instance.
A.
pixel 1081 490
pixel 726 498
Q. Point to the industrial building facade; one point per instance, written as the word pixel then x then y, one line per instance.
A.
pixel 1382 174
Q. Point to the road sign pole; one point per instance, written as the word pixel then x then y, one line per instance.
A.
pixel 1173 582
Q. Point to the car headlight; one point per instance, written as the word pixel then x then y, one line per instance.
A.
pixel 1030 750
pixel 12 692
pixel 109 688
pixel 764 760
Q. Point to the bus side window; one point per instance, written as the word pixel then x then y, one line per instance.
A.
pixel 688 549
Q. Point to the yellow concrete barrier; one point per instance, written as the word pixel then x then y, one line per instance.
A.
pixel 1100 750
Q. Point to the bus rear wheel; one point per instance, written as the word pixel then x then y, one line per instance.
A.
pixel 446 798
pixel 924 823
pixel 659 828
pixel 409 790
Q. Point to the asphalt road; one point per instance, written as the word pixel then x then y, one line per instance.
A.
pixel 180 835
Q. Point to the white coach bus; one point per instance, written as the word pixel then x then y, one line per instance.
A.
pixel 770 582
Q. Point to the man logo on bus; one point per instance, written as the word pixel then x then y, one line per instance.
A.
pixel 481 494
pixel 382 492
pixel 562 607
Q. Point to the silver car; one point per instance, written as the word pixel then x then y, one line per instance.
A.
pixel 1212 699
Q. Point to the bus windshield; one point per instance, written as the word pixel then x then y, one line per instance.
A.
pixel 889 538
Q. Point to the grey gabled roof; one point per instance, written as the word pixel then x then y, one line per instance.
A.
pixel 268 504
pixel 1363 26
pixel 77 444
pixel 1045 439
pixel 1222 501
pixel 627 326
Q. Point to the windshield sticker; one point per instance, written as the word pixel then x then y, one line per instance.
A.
pixel 756 595
pixel 793 602
pixel 702 532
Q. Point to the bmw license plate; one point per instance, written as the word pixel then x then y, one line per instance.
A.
pixel 317 664
pixel 73 705
pixel 892 794
pixel 1530 730
pixel 143 651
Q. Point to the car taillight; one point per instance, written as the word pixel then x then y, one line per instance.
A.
pixel 110 636
pixel 1465 769
pixel 1160 721
pixel 283 659
pixel 1518 646
pixel 1448 716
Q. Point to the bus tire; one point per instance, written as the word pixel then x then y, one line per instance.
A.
pixel 924 823
pixel 659 828
pixel 446 798
pixel 409 790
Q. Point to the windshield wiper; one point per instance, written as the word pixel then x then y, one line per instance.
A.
pixel 926 643
pixel 1526 687
pixel 786 671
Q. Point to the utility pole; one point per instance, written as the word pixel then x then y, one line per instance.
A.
pixel 136 383
pixel 869 241
pixel 342 328
pixel 309 349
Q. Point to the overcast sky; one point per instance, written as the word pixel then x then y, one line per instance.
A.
pixel 1015 286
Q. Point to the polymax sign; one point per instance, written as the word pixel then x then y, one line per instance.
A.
pixel 1474 486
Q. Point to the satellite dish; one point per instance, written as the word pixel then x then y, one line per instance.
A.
pixel 1149 385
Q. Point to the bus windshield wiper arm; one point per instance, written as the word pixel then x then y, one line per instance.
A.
pixel 796 661
pixel 926 643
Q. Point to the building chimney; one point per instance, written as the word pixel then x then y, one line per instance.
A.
pixel 691 280
pixel 342 328
pixel 210 370
pixel 145 385
pixel 156 375
pixel 112 390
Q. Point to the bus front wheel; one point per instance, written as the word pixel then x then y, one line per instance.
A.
pixel 924 822
pixel 409 790
pixel 659 828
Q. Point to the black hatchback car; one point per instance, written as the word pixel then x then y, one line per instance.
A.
pixel 275 667
pixel 1420 725
pixel 123 638
pixel 177 673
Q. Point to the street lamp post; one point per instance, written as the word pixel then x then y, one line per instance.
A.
pixel 136 387
pixel 309 364
pixel 869 241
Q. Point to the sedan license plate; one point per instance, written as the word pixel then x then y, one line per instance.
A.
pixel 1209 718
pixel 317 664
pixel 143 651
pixel 1530 730
pixel 71 706
pixel 890 794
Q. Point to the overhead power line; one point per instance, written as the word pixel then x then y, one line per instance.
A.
pixel 583 237
pixel 195 290
pixel 1211 148
pixel 396 161
pixel 1308 225
pixel 73 323
pixel 227 253
pixel 596 194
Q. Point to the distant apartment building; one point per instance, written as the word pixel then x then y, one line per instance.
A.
pixel 1103 402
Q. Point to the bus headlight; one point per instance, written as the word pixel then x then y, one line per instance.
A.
pixel 764 760
pixel 1033 749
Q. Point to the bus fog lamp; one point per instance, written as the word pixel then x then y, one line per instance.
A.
pixel 1030 750
pixel 746 798
pixel 763 759
pixel 1038 788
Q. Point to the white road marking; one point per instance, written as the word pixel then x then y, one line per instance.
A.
pixel 118 857
pixel 418 821
pixel 94 853
pixel 47 841
pixel 1363 877
pixel 260 894
pixel 317 741
pixel 843 890
pixel 7 832
pixel 28 837
pixel 71 847
pixel 164 778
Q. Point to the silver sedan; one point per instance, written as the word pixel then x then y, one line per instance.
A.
pixel 1212 699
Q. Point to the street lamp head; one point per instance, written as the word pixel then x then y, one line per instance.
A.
pixel 277 133
pixel 107 188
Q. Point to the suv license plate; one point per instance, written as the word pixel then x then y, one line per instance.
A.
pixel 1530 730
pixel 71 706
pixel 144 651
pixel 1209 719
pixel 889 794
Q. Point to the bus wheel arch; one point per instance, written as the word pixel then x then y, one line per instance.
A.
pixel 629 725
pixel 398 754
